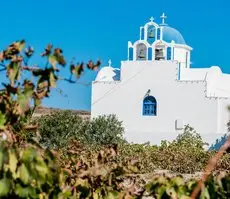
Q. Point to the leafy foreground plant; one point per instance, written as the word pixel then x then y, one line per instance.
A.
pixel 27 85
pixel 34 173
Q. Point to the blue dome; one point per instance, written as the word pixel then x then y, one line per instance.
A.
pixel 170 34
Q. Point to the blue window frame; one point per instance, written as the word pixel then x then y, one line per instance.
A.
pixel 158 33
pixel 131 54
pixel 150 53
pixel 169 53
pixel 142 33
pixel 149 106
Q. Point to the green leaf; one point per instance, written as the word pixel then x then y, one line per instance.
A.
pixel 1 159
pixel 13 161
pixel 24 174
pixel 2 121
pixel 112 195
pixel 25 192
pixel 53 60
pixel 20 45
pixel 52 79
pixel 204 194
pixel 13 72
pixel 4 187
pixel 29 155
pixel 24 99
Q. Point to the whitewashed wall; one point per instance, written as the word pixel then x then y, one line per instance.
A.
pixel 177 100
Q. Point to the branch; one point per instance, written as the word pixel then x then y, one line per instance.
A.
pixel 2 69
pixel 30 68
pixel 75 82
pixel 210 167
pixel 3 65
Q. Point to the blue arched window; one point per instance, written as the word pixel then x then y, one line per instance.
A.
pixel 149 106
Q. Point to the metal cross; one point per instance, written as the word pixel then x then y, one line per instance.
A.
pixel 163 17
pixel 110 62
pixel 151 19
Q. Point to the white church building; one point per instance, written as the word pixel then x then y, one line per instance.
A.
pixel 156 93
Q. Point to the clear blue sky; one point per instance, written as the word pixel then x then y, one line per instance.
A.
pixel 101 29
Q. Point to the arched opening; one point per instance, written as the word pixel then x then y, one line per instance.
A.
pixel 150 106
pixel 151 37
pixel 160 52
pixel 141 52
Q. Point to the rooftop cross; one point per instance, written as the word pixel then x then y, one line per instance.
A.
pixel 163 17
pixel 152 19
pixel 110 62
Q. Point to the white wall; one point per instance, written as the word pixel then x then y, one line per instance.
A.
pixel 180 56
pixel 176 100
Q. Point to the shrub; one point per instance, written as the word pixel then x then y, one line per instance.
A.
pixel 57 128
pixel 61 126
pixel 104 130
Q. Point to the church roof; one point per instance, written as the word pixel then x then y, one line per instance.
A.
pixel 108 73
pixel 170 34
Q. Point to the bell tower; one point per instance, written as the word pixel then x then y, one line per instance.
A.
pixel 159 42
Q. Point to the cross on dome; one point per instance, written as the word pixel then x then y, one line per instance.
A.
pixel 110 62
pixel 151 19
pixel 163 17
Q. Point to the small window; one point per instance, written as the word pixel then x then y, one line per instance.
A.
pixel 149 106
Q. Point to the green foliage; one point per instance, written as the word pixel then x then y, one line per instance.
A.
pixel 183 155
pixel 162 187
pixel 19 96
pixel 190 138
pixel 34 173
pixel 74 170
pixel 25 173
pixel 186 154
pixel 104 130
pixel 61 126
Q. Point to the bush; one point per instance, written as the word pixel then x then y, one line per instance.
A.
pixel 58 128
pixel 104 130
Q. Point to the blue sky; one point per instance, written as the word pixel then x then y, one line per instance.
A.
pixel 101 29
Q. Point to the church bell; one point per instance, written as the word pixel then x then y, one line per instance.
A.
pixel 141 54
pixel 151 34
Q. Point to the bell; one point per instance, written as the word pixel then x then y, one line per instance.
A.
pixel 141 54
pixel 151 34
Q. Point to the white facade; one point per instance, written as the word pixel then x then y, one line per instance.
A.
pixel 156 93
